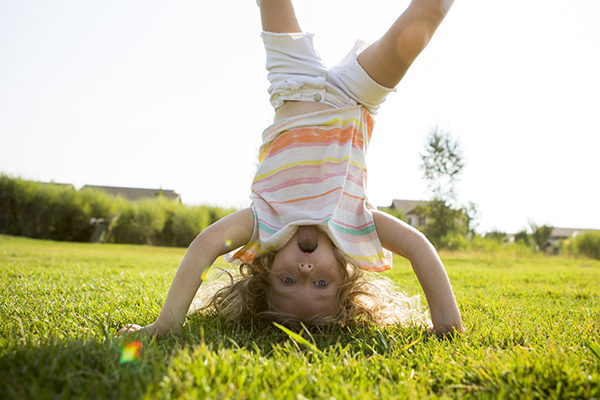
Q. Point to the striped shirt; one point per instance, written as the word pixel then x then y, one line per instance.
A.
pixel 312 172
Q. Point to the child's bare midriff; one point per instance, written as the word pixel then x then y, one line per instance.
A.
pixel 296 108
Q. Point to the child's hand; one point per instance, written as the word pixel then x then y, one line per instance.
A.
pixel 129 328
pixel 152 329
pixel 447 331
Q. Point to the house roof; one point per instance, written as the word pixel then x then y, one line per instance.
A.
pixel 135 193
pixel 563 233
pixel 408 206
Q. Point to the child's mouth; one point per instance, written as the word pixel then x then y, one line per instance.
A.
pixel 308 238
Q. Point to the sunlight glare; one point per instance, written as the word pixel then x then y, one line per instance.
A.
pixel 131 352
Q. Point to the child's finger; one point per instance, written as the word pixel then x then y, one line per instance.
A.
pixel 129 328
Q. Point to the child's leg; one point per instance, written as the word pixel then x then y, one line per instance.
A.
pixel 296 72
pixel 388 59
pixel 278 16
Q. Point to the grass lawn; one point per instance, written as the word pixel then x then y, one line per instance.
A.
pixel 533 332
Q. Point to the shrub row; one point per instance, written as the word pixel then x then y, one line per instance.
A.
pixel 486 245
pixel 586 244
pixel 59 212
pixel 583 245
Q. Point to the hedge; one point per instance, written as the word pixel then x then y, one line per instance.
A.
pixel 59 212
pixel 586 244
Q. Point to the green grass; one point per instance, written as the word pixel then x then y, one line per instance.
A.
pixel 533 326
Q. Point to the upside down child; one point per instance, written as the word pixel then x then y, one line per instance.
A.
pixel 304 244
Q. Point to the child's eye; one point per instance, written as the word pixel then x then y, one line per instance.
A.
pixel 287 280
pixel 321 283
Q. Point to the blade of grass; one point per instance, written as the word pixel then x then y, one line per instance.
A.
pixel 594 348
pixel 299 339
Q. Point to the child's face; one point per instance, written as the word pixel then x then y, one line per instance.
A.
pixel 306 283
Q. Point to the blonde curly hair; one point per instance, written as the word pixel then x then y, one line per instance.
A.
pixel 362 297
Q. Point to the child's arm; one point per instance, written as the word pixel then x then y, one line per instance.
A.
pixel 407 242
pixel 227 234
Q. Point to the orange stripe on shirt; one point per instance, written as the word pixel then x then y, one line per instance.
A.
pixel 315 135
pixel 307 198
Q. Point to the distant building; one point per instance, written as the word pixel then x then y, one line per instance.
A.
pixel 566 233
pixel 559 235
pixel 410 210
pixel 135 193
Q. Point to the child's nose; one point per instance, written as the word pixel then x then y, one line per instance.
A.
pixel 305 268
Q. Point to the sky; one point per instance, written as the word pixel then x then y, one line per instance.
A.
pixel 173 95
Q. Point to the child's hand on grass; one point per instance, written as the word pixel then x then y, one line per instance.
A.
pixel 447 331
pixel 130 328
pixel 152 329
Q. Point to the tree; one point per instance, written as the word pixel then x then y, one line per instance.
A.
pixel 496 235
pixel 523 237
pixel 394 212
pixel 442 165
pixel 540 235
pixel 444 222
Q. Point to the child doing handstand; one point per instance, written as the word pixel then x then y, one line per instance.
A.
pixel 310 231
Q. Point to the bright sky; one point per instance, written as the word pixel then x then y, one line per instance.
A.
pixel 173 95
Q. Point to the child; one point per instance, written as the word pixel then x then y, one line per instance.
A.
pixel 310 230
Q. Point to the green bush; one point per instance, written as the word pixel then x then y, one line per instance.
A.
pixel 43 211
pixel 523 237
pixel 586 244
pixel 68 215
pixel 493 246
pixel 141 222
pixel 496 235
pixel 101 204
pixel 485 245
pixel 445 222
pixel 187 223
pixel 454 241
